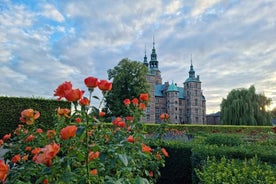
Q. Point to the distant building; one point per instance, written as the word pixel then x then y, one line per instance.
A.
pixel 213 119
pixel 185 104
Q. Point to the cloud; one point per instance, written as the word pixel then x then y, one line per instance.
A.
pixel 52 13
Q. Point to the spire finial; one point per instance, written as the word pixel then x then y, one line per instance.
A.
pixel 145 49
pixel 153 41
pixel 191 59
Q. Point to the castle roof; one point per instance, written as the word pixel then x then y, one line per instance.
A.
pixel 172 88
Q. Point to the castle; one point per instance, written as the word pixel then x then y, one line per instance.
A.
pixel 185 105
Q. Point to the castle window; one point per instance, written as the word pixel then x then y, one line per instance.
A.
pixel 195 101
pixel 196 120
pixel 175 102
pixel 196 111
pixel 176 108
pixel 148 109
pixel 148 118
pixel 195 92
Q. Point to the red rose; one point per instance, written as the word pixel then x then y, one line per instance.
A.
pixel 130 139
pixel 67 132
pixel 62 89
pixel 84 101
pixel 104 85
pixel 101 114
pixel 127 101
pixel 144 97
pixel 91 82
pixel 74 95
pixel 135 101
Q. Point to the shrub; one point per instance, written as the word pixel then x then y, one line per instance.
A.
pixel 236 171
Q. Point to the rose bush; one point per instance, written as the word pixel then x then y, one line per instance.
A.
pixel 80 148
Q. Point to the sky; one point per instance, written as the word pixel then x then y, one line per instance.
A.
pixel 231 43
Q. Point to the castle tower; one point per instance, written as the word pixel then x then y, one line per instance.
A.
pixel 195 101
pixel 173 103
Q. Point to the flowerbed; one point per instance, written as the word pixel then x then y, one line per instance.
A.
pixel 78 148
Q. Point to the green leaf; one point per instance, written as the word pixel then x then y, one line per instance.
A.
pixel 140 180
pixel 123 158
pixel 80 131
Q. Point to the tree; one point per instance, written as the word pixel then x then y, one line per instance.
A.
pixel 273 112
pixel 129 81
pixel 245 107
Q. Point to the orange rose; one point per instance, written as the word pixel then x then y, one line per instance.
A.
pixel 67 132
pixel 63 112
pixel 7 136
pixel 39 130
pixel 63 89
pixel 142 106
pixel 78 120
pixel 127 101
pixel 144 97
pixel 16 158
pixel 93 155
pixel 164 151
pixel 101 114
pixel 25 158
pixel 28 148
pixel 146 148
pixel 29 138
pixel 36 151
pixel 51 133
pixel 116 120
pixel 164 116
pixel 74 95
pixel 91 82
pixel 130 139
pixel 49 152
pixel 104 85
pixel 28 116
pixel 94 172
pixel 135 101
pixel 121 124
pixel 4 169
pixel 129 118
pixel 84 101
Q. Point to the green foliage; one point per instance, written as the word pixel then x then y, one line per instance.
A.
pixel 11 107
pixel 245 107
pixel 223 139
pixel 236 171
pixel 129 81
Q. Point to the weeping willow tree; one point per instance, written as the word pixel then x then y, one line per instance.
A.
pixel 245 107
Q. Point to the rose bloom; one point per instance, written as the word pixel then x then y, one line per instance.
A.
pixel 104 85
pixel 164 151
pixel 146 148
pixel 121 124
pixel 39 130
pixel 63 89
pixel 91 82
pixel 94 172
pixel 4 169
pixel 67 132
pixel 49 152
pixel 164 116
pixel 29 138
pixel 78 120
pixel 28 148
pixel 28 116
pixel 1 142
pixel 36 151
pixel 135 101
pixel 16 158
pixel 63 112
pixel 130 139
pixel 151 174
pixel 129 118
pixel 74 95
pixel 84 101
pixel 116 120
pixel 51 133
pixel 45 181
pixel 7 136
pixel 101 114
pixel 142 106
pixel 25 158
pixel 93 155
pixel 127 101
pixel 144 97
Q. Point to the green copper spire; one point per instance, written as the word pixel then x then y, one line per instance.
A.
pixel 145 58
pixel 153 58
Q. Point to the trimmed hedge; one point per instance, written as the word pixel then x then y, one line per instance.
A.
pixel 11 108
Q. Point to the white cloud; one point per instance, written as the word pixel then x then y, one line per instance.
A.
pixel 51 12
